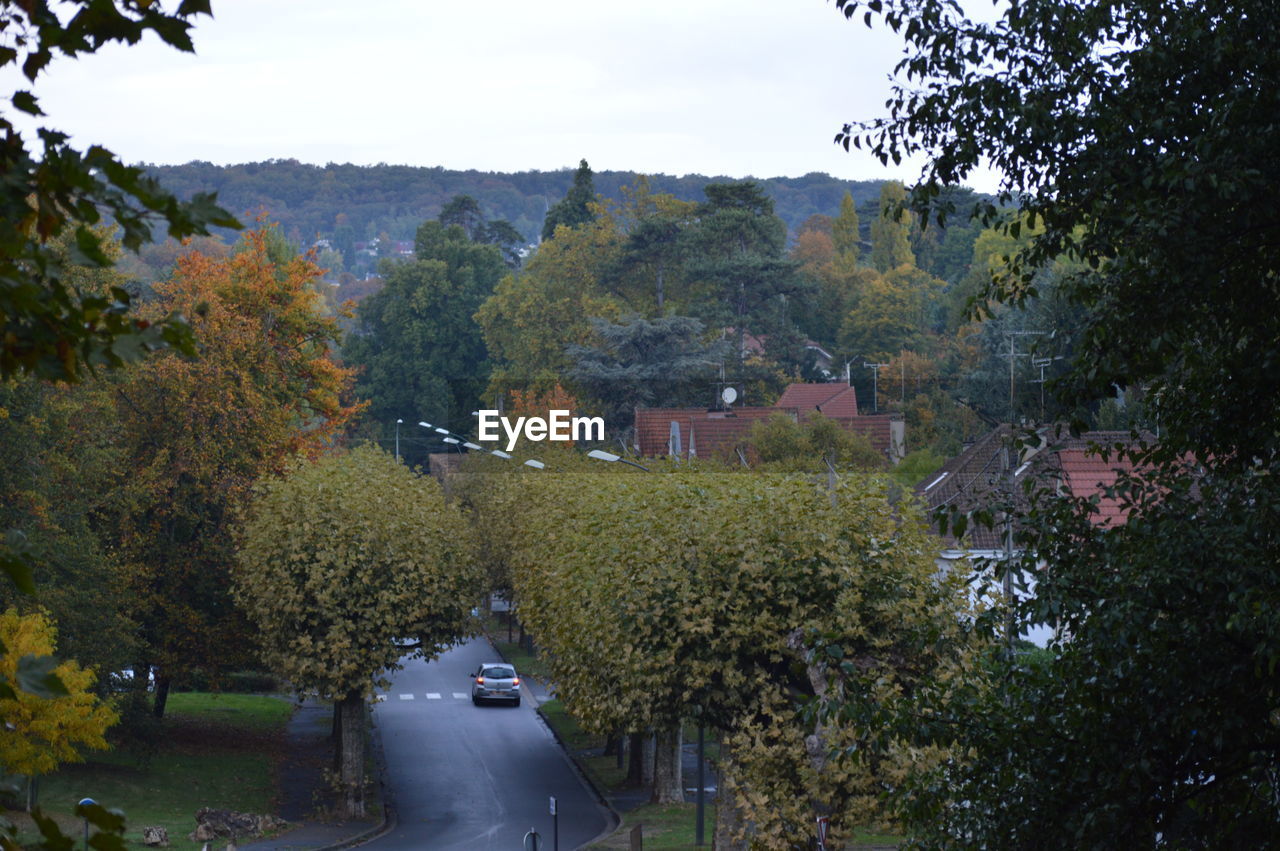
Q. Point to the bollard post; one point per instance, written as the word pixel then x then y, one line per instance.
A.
pixel 86 802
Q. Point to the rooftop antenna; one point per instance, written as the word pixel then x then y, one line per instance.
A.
pixel 1042 364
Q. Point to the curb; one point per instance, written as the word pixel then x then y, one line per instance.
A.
pixel 583 777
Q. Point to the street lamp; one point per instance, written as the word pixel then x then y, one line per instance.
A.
pixel 398 422
pixel 601 455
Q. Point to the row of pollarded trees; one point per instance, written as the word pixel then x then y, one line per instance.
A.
pixel 699 597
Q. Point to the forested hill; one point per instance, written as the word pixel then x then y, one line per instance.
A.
pixel 308 200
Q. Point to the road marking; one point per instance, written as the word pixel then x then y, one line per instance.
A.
pixel 379 698
pixel 460 695
pixel 406 697
pixel 432 695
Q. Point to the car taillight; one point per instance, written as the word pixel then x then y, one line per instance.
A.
pixel 516 681
pixel 479 681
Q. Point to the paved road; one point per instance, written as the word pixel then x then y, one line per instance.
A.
pixel 474 777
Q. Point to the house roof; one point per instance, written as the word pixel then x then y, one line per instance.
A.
pixel 834 399
pixel 712 432
pixel 715 433
pixel 975 478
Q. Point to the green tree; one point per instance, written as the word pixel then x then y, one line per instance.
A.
pixel 574 209
pixel 535 315
pixel 646 363
pixel 464 211
pixel 421 352
pixel 59 461
pixel 50 328
pixel 737 252
pixel 845 236
pixel 784 445
pixel 891 230
pixel 340 560
pixel 890 313
pixel 650 267
pixel 509 241
pixel 1124 130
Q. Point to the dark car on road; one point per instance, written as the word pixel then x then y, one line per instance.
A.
pixel 495 681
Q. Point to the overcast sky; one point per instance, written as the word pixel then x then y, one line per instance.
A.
pixel 717 87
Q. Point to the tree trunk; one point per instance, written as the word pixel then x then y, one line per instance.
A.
pixel 668 780
pixel 162 695
pixel 729 821
pixel 336 734
pixel 646 761
pixel 351 771
pixel 635 761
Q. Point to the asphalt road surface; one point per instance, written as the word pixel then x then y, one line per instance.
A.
pixel 474 777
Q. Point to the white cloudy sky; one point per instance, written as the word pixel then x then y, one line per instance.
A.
pixel 732 87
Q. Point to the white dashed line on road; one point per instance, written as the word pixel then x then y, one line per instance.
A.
pixel 459 695
pixel 433 695
pixel 406 697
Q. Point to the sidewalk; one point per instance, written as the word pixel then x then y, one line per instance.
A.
pixel 301 778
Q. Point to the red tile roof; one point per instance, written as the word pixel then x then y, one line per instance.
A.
pixel 1085 474
pixel 974 478
pixel 877 428
pixel 714 433
pixel 833 400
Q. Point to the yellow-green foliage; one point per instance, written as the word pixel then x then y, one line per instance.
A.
pixel 694 595
pixel 343 556
pixel 785 445
pixel 45 732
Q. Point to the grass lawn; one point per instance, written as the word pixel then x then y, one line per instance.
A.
pixel 215 750
pixel 662 826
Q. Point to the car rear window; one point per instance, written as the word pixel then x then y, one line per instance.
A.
pixel 499 673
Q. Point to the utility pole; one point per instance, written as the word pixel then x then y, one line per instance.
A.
pixel 1011 486
pixel 875 384
pixel 902 364
pixel 1013 356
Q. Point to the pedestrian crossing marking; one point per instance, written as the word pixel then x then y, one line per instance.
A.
pixel 432 695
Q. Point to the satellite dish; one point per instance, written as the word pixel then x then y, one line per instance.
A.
pixel 729 395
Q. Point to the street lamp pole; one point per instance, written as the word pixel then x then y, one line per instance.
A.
pixel 398 422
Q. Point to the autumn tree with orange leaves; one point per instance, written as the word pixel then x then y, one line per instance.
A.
pixel 200 431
